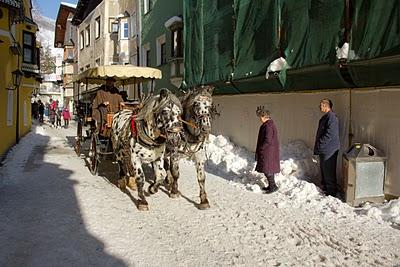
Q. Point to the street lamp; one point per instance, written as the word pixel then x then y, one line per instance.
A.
pixel 16 77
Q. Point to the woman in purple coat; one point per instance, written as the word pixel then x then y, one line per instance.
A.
pixel 267 151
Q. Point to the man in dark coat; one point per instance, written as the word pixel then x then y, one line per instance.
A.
pixel 107 100
pixel 41 110
pixel 327 146
pixel 267 151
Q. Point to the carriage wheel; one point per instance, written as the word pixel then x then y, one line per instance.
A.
pixel 93 155
pixel 78 138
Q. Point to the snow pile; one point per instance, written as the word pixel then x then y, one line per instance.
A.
pixel 276 65
pixel 68 4
pixel 387 212
pixel 342 52
pixel 297 179
pixel 299 159
pixel 237 165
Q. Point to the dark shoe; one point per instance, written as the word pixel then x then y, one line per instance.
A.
pixel 270 190
pixel 265 188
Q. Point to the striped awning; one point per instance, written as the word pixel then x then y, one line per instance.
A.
pixel 122 74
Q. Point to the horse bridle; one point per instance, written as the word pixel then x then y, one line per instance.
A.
pixel 160 138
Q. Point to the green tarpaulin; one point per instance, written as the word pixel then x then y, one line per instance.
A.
pixel 230 43
pixel 375 43
pixel 208 39
pixel 375 30
pixel 193 40
pixel 310 31
pixel 256 38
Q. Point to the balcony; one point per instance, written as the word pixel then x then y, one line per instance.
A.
pixel 176 65
pixel 30 68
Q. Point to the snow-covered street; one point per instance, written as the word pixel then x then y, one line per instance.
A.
pixel 54 212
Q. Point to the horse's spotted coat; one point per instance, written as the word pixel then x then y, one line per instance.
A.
pixel 131 152
pixel 196 110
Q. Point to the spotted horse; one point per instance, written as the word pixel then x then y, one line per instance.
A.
pixel 142 138
pixel 197 106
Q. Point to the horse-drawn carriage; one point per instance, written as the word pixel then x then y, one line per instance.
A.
pixel 153 134
pixel 92 81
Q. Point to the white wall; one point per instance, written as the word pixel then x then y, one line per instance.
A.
pixel 373 113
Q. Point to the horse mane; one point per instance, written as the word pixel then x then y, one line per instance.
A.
pixel 155 104
pixel 192 96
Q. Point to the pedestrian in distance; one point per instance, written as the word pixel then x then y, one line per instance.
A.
pixel 66 117
pixel 58 117
pixel 267 150
pixel 327 146
pixel 41 110
pixel 52 112
pixel 35 110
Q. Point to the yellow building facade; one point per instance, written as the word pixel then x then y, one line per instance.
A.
pixel 19 70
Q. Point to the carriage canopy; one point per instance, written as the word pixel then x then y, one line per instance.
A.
pixel 123 74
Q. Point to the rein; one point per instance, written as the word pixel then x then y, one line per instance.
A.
pixel 191 124
pixel 198 140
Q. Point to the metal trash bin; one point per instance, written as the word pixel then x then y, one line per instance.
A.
pixel 364 171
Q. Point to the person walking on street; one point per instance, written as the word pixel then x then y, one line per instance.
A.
pixel 267 150
pixel 35 110
pixel 52 112
pixel 66 117
pixel 41 110
pixel 58 116
pixel 327 146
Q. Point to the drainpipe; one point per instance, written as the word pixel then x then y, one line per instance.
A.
pixel 139 12
pixel 12 33
pixel 17 124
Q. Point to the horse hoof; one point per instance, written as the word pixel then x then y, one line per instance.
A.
pixel 143 207
pixel 204 206
pixel 132 183
pixel 174 195
pixel 152 189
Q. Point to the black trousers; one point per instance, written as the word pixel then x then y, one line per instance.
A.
pixel 270 179
pixel 328 172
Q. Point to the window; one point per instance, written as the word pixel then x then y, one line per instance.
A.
pixel 163 53
pixel 124 29
pixel 134 60
pixel 97 28
pixel 88 66
pixel 133 25
pixel 161 50
pixel 97 62
pixel 81 40
pixel 71 32
pixel 87 36
pixel 114 27
pixel 148 58
pixel 146 54
pixel 147 6
pixel 177 43
pixel 70 54
pixel 10 107
pixel 29 48
pixel 37 49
